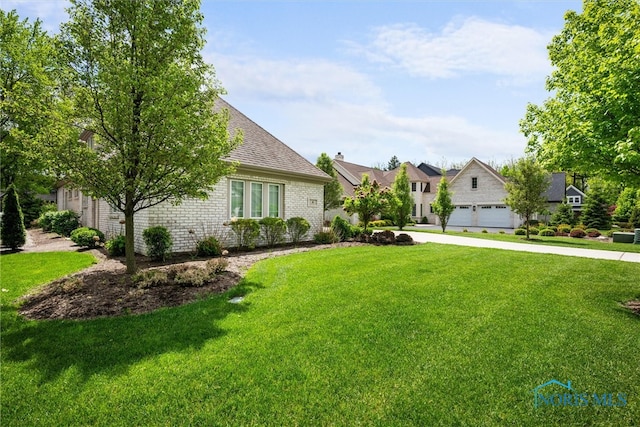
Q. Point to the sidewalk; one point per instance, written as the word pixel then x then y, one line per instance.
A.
pixel 524 247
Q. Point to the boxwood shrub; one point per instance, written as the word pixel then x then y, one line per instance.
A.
pixel 159 242
pixel 547 232
pixel 87 237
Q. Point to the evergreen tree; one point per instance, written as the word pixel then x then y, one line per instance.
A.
pixel 393 163
pixel 12 231
pixel 563 215
pixel 442 205
pixel 402 199
pixel 595 213
pixel 332 190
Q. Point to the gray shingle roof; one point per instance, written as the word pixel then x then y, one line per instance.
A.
pixel 556 191
pixel 261 150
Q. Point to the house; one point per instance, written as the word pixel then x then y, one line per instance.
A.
pixel 270 180
pixel 478 195
pixel 575 198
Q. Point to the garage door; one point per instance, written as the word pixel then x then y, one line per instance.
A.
pixel 494 216
pixel 461 216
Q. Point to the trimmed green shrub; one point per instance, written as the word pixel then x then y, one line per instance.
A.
pixel 87 237
pixel 342 228
pixel 520 232
pixel 356 230
pixel 424 220
pixel 116 245
pixel 159 242
pixel 64 222
pixel 246 231
pixel 381 223
pixel 578 233
pixel 484 230
pixel 547 232
pixel 592 232
pixel 12 231
pixel 208 246
pixel 297 227
pixel 533 231
pixel 273 230
pixel 564 228
pixel 326 237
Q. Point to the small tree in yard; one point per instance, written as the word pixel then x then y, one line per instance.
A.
pixel 563 215
pixel 12 231
pixel 138 83
pixel 369 200
pixel 332 189
pixel 402 200
pixel 595 212
pixel 526 186
pixel 442 205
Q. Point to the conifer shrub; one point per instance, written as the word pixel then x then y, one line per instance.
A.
pixel 12 231
pixel 342 228
pixel 159 242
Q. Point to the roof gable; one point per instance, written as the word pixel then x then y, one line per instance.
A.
pixel 482 165
pixel 261 150
pixel 573 191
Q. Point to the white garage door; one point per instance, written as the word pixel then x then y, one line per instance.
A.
pixel 494 216
pixel 461 216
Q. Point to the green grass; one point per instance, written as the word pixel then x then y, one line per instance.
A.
pixel 508 236
pixel 421 335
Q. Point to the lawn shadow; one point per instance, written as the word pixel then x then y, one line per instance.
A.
pixel 112 345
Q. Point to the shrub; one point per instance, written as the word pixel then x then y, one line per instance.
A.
pixel 501 232
pixel 297 228
pixel 273 230
pixel 578 233
pixel 534 231
pixel 150 278
pixel 325 237
pixel 64 222
pixel 404 239
pixel 564 228
pixel 46 220
pixel 385 237
pixel 87 237
pixel 381 223
pixel 342 228
pixel 31 207
pixel 216 266
pixel 484 230
pixel 12 231
pixel 424 220
pixel 246 231
pixel 520 232
pixel 356 230
pixel 192 277
pixel 116 245
pixel 464 230
pixel 208 246
pixel 592 232
pixel 158 241
pixel 547 232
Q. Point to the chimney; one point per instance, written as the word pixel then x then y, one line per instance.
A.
pixel 339 156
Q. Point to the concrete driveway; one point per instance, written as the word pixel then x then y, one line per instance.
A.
pixel 524 247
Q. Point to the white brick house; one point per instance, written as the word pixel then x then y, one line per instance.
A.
pixel 271 180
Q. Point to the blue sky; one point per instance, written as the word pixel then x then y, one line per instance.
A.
pixel 435 81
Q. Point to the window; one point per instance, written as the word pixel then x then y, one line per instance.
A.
pixel 256 200
pixel 237 199
pixel 413 210
pixel 474 183
pixel 573 200
pixel 274 200
pixel 428 189
pixel 413 186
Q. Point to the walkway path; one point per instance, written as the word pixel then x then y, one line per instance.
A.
pixel 525 247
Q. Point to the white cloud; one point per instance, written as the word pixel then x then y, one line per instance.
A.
pixel 472 45
pixel 315 105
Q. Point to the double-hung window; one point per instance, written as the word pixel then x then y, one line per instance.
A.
pixel 256 200
pixel 237 199
pixel 261 199
pixel 274 200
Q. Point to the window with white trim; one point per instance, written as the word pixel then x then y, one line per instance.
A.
pixel 474 183
pixel 256 200
pixel 274 200
pixel 574 200
pixel 237 199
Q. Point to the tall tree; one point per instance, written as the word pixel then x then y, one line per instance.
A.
pixel 595 213
pixel 147 97
pixel 442 205
pixel 526 185
pixel 591 125
pixel 370 199
pixel 332 190
pixel 393 163
pixel 627 200
pixel 401 203
pixel 12 231
pixel 28 81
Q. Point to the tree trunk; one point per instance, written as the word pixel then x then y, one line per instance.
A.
pixel 128 232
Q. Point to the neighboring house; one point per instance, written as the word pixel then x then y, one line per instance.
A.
pixel 271 180
pixel 556 195
pixel 478 195
pixel 575 198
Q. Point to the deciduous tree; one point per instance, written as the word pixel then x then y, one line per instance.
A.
pixel 591 125
pixel 332 190
pixel 442 205
pixel 370 199
pixel 526 185
pixel 141 87
pixel 401 202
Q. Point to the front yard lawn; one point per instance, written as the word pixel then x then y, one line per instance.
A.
pixel 421 335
